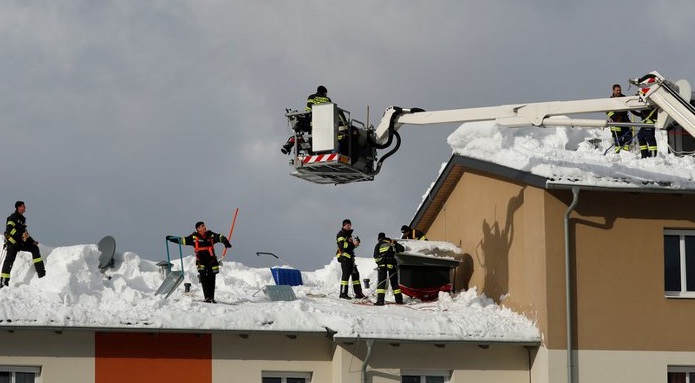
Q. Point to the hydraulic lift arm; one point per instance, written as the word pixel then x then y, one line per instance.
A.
pixel 345 150
pixel 660 93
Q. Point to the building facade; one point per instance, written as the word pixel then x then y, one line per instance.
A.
pixel 631 266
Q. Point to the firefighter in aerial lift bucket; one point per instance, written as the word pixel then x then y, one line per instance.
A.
pixel 346 257
pixel 302 125
pixel 304 122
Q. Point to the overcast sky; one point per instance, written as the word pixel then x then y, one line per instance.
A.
pixel 138 118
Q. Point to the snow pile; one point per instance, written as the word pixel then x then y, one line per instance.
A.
pixel 75 294
pixel 573 155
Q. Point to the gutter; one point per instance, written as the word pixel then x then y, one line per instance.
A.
pixel 477 342
pixel 370 344
pixel 568 285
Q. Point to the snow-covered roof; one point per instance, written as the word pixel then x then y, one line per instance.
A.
pixel 574 157
pixel 74 294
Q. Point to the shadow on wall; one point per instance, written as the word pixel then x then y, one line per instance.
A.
pixel 464 272
pixel 493 256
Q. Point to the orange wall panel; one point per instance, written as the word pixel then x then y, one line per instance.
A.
pixel 152 357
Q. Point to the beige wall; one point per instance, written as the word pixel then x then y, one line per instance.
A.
pixel 69 357
pixel 615 366
pixel 236 359
pixel 620 302
pixel 513 236
pixel 500 227
pixel 63 357
pixel 466 362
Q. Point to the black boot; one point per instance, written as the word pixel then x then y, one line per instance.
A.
pixel 41 273
pixel 4 281
pixel 399 298
pixel 358 291
pixel 343 292
pixel 379 299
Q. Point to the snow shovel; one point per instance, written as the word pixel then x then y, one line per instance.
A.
pixel 289 277
pixel 174 278
pixel 282 291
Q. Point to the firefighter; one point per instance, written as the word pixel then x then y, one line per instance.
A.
pixel 320 97
pixel 385 258
pixel 17 239
pixel 203 241
pixel 346 256
pixel 622 135
pixel 646 136
pixel 410 233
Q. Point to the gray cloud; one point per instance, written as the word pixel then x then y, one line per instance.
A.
pixel 137 119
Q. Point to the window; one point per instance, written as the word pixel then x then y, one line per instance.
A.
pixel 286 377
pixel 426 376
pixel 679 263
pixel 681 375
pixel 16 374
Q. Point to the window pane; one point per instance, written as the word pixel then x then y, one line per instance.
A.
pixel 4 377
pixel 410 379
pixel 296 380
pixel 24 377
pixel 672 267
pixel 676 377
pixel 434 379
pixel 272 380
pixel 690 263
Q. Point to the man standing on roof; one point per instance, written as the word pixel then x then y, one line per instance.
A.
pixel 385 258
pixel 17 239
pixel 346 257
pixel 203 240
pixel 410 233
pixel 646 136
pixel 622 135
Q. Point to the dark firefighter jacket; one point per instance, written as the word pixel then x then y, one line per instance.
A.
pixel 618 116
pixel 316 99
pixel 346 246
pixel 15 228
pixel 385 251
pixel 414 234
pixel 205 257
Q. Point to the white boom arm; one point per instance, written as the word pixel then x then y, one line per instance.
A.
pixel 660 93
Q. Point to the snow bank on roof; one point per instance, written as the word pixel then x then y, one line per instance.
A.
pixel 439 249
pixel 75 294
pixel 568 155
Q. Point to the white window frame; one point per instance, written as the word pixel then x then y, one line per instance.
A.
pixel 683 293
pixel 431 373
pixel 15 369
pixel 286 374
pixel 689 371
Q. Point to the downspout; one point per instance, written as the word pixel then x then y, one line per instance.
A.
pixel 370 343
pixel 568 295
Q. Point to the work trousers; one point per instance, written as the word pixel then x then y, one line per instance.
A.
pixel 11 255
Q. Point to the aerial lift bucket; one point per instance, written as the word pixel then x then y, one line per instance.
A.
pixel 174 278
pixel 326 164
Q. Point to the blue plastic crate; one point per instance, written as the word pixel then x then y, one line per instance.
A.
pixel 288 277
